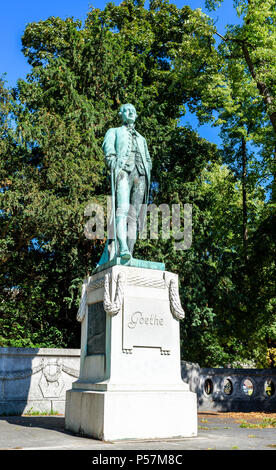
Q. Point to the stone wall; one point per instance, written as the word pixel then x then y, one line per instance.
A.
pixel 35 380
pixel 220 389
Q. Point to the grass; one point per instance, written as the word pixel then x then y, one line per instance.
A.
pixel 265 423
pixel 259 420
pixel 30 412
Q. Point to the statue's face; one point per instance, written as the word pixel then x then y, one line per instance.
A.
pixel 129 114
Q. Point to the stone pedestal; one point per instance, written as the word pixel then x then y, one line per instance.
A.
pixel 130 382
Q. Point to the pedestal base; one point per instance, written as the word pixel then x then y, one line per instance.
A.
pixel 131 415
pixel 130 383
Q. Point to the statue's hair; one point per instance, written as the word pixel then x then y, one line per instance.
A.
pixel 123 106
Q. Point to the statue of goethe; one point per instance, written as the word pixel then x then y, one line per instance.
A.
pixel 127 156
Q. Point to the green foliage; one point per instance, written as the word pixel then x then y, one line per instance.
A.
pixel 246 57
pixel 52 159
pixel 163 59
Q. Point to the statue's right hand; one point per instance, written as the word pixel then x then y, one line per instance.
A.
pixel 111 161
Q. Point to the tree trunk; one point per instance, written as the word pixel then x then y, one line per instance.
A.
pixel 244 197
pixel 273 189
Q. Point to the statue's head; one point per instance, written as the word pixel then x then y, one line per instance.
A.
pixel 128 113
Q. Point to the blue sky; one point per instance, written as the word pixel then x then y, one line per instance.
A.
pixel 16 14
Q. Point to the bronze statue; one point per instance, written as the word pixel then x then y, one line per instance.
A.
pixel 128 158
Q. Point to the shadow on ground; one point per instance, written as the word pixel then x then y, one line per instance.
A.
pixel 216 431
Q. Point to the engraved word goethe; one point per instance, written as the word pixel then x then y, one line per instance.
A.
pixel 139 319
pixel 146 323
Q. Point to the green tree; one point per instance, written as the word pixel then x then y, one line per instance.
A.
pixel 239 96
pixel 161 59
pixel 79 77
pixel 247 57
pixel 248 50
pixel 212 277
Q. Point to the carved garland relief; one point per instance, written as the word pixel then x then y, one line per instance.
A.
pixel 112 307
pixel 51 382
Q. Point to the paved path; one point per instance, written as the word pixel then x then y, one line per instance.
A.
pixel 215 432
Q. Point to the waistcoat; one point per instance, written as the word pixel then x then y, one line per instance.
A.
pixel 134 156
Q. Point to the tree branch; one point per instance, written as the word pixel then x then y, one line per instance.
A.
pixel 222 37
pixel 264 92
